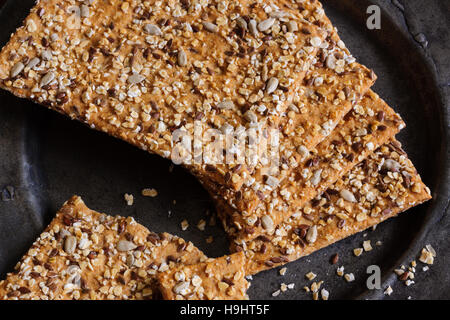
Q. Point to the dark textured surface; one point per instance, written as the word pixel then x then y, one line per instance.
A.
pixel 47 158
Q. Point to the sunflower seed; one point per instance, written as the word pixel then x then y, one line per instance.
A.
pixel 251 116
pixel 130 260
pixel 303 151
pixel 182 58
pixel 311 235
pixel 135 78
pixel 272 85
pixel 125 245
pixel 347 195
pixel 211 27
pixel 392 165
pixel 279 14
pixel 16 69
pixel 152 29
pixel 266 24
pixel 253 28
pixel 267 223
pixel 292 26
pixel 33 63
pixel 49 77
pixel 226 105
pixel 70 244
pixel 317 176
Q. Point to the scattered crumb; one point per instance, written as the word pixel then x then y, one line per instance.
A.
pixel 334 258
pixel 184 225
pixel 399 272
pixel 340 271
pixel 349 277
pixel 409 282
pixel 427 255
pixel 283 271
pixel 306 288
pixel 129 199
pixel 431 249
pixel 315 286
pixel 413 263
pixel 426 268
pixel 201 225
pixel 388 291
pixel 283 288
pixel 310 275
pixel 149 193
pixel 367 246
pixel 404 276
pixel 325 294
pixel 276 293
pixel 378 243
pixel 358 251
pixel 210 239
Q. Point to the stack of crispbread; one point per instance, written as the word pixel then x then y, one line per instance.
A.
pixel 151 72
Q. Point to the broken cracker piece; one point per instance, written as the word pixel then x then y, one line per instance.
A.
pixel 84 254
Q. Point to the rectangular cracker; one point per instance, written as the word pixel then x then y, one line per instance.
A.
pixel 139 70
pixel 215 279
pixel 382 186
pixel 84 254
pixel 334 83
pixel 259 209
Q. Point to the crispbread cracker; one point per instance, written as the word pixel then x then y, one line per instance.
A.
pixel 382 186
pixel 139 70
pixel 84 254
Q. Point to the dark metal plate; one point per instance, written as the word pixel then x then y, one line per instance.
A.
pixel 47 158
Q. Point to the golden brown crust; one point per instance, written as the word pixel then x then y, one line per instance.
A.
pixel 215 279
pixel 140 70
pixel 84 254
